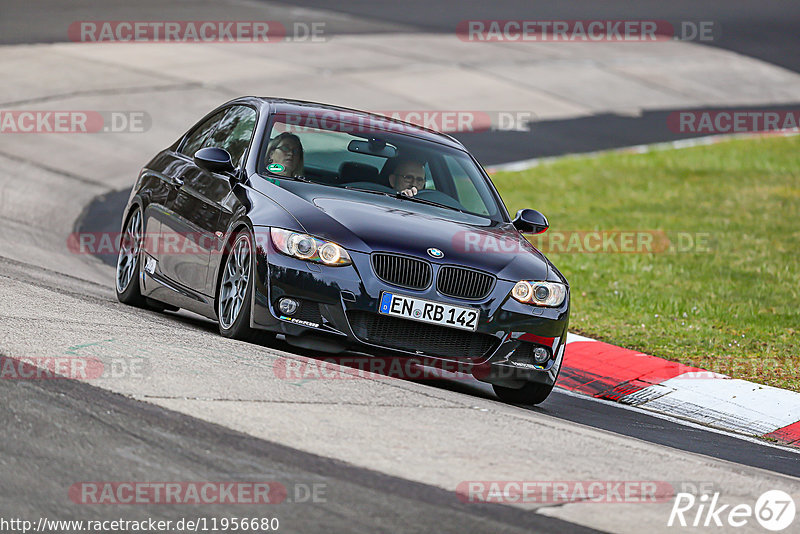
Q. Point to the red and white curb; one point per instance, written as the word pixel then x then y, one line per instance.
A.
pixel 614 373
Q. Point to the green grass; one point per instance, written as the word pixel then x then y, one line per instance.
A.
pixel 733 307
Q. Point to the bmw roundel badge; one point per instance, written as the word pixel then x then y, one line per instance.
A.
pixel 435 253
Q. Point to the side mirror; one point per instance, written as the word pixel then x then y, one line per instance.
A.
pixel 531 222
pixel 213 159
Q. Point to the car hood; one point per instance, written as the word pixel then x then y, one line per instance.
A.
pixel 368 223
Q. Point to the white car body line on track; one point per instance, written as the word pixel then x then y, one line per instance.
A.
pixel 681 421
pixel 525 164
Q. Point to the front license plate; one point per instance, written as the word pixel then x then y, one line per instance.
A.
pixel 427 311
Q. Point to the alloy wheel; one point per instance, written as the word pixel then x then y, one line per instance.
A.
pixel 234 283
pixel 128 258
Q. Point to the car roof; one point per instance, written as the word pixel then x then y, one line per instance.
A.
pixel 289 106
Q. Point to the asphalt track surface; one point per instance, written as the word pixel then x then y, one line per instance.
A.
pixel 764 30
pixel 59 432
pixel 63 427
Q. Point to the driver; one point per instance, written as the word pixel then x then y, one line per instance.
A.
pixel 286 150
pixel 407 176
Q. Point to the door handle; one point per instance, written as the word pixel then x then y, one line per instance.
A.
pixel 177 180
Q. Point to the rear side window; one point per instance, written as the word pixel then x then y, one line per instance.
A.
pixel 195 140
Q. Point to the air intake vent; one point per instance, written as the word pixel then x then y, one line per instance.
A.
pixel 402 271
pixel 434 340
pixel 463 283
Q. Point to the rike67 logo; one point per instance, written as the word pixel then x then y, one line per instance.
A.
pixel 774 510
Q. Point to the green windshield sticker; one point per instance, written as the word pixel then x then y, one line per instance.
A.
pixel 275 167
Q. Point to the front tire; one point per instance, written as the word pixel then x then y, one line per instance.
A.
pixel 234 295
pixel 530 393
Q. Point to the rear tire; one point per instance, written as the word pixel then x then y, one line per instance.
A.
pixel 530 393
pixel 129 261
pixel 129 267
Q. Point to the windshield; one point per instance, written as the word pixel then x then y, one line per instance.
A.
pixel 363 158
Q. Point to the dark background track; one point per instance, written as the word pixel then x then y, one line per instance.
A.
pixel 59 433
pixel 764 30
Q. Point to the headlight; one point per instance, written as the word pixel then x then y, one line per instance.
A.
pixel 306 247
pixel 301 246
pixel 549 294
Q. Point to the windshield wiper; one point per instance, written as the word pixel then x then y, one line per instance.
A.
pixel 404 197
pixel 299 179
pixel 428 202
pixel 374 192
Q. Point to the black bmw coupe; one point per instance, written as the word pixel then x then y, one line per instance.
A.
pixel 345 230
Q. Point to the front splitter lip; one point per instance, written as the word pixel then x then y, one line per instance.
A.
pixel 499 357
pixel 496 368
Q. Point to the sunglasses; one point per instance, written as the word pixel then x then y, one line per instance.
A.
pixel 287 149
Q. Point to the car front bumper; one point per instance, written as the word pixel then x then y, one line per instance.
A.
pixel 339 310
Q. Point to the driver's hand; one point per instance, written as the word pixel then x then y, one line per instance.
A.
pixel 410 192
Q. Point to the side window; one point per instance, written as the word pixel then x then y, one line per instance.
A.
pixel 468 195
pixel 195 140
pixel 429 183
pixel 234 132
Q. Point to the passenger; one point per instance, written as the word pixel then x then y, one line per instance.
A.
pixel 286 150
pixel 406 175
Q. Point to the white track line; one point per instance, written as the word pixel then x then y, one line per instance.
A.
pixel 526 164
pixel 680 421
